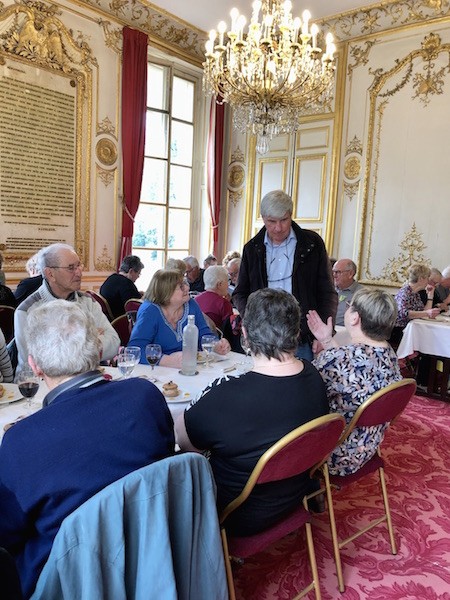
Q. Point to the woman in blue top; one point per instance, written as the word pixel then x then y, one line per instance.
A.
pixel 163 316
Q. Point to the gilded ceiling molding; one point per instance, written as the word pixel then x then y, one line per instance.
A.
pixel 163 29
pixel 383 16
pixel 412 247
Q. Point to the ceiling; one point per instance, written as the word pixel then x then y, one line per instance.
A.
pixel 205 14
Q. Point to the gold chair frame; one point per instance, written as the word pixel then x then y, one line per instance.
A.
pixel 323 468
pixel 251 482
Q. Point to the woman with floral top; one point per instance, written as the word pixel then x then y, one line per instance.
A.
pixel 354 372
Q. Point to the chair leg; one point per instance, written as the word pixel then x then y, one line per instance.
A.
pixel 337 555
pixel 226 554
pixel 312 561
pixel 387 510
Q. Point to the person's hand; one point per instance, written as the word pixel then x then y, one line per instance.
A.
pixel 222 346
pixel 320 330
pixel 171 360
pixel 430 289
pixel 316 347
pixel 433 312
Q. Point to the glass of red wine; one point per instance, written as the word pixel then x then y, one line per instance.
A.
pixel 28 384
pixel 153 353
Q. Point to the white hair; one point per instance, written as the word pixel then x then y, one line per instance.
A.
pixel 446 272
pixel 214 275
pixel 49 256
pixel 191 261
pixel 62 339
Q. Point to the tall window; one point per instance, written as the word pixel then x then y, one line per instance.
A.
pixel 162 224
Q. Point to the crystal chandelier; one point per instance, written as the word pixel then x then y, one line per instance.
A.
pixel 271 75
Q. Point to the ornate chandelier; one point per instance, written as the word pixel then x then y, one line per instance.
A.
pixel 271 75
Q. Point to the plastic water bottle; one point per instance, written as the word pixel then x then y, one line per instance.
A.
pixel 190 347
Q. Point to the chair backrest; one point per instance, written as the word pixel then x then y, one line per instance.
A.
pixel 123 328
pixel 7 322
pixel 103 303
pixel 133 304
pixel 383 406
pixel 295 453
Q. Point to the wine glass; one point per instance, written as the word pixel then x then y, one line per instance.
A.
pixel 153 353
pixel 136 352
pixel 208 342
pixel 28 384
pixel 126 361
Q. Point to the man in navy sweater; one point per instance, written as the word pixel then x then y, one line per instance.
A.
pixel 89 433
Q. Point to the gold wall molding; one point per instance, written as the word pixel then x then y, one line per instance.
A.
pixel 112 35
pixel 412 247
pixel 352 167
pixel 104 262
pixel 360 55
pixel 106 151
pixel 384 16
pixel 107 177
pixel 430 49
pixel 106 126
pixel 32 34
pixel 236 176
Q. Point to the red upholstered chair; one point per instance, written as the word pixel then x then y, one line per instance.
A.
pixel 295 453
pixel 122 326
pixel 382 407
pixel 7 322
pixel 133 304
pixel 102 301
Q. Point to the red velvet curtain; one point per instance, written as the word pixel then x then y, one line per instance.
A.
pixel 214 165
pixel 134 105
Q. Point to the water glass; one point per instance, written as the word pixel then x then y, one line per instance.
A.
pixel 208 342
pixel 136 352
pixel 126 361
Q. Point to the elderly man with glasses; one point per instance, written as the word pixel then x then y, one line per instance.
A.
pixel 62 271
pixel 344 271
pixel 194 274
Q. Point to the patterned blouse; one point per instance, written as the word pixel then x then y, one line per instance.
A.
pixel 352 374
pixel 406 300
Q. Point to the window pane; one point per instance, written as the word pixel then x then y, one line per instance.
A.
pixel 156 135
pixel 181 146
pixel 154 181
pixel 183 99
pixel 179 224
pixel 149 227
pixel 152 260
pixel 157 84
pixel 180 187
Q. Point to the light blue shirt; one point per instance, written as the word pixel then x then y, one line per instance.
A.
pixel 280 262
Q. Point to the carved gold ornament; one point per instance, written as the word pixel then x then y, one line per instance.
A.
pixel 236 176
pixel 352 167
pixel 412 246
pixel 104 262
pixel 106 152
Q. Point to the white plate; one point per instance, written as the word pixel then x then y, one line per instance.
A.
pixel 182 397
pixel 11 394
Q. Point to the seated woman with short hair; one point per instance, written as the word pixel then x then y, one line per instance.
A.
pixel 163 315
pixel 352 373
pixel 238 419
pixel 213 300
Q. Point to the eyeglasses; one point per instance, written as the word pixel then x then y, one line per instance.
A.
pixel 189 270
pixel 70 268
pixel 183 284
pixel 340 272
pixel 347 304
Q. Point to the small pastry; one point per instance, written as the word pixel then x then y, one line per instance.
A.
pixel 170 389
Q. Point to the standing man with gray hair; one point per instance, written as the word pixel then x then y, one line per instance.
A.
pixel 283 255
pixel 62 271
pixel 344 271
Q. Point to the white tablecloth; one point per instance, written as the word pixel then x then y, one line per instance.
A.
pixel 426 335
pixel 233 364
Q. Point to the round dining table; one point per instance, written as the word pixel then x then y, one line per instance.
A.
pixel 190 387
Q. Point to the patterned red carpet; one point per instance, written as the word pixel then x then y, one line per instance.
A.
pixel 417 454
